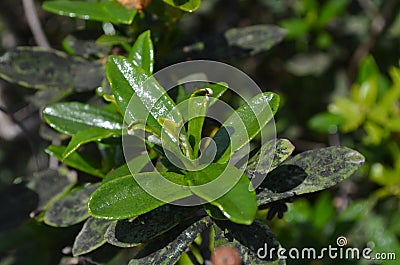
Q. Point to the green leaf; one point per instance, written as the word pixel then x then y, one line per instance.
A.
pixel 295 27
pixel 127 233
pixel 71 209
pixel 229 191
pixel 185 5
pixel 255 38
pixel 330 10
pixel 50 184
pixel 135 166
pixel 244 124
pixel 309 171
pixel 124 198
pixel 325 122
pixel 49 69
pixel 91 236
pixel 170 254
pixel 105 11
pixel 86 136
pixel 76 160
pixel 270 155
pixel 248 240
pixel 72 117
pixel 197 109
pixel 142 53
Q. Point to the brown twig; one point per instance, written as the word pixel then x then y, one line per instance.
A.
pixel 34 23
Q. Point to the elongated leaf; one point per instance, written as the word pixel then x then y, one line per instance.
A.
pixel 49 185
pixel 135 166
pixel 106 11
pixel 124 198
pixel 91 236
pixel 87 136
pixel 72 117
pixel 252 242
pixel 170 254
pixel 255 38
pixel 142 53
pixel 197 108
pixel 128 233
pixel 76 160
pixel 185 5
pixel 227 188
pixel 71 209
pixel 308 172
pixel 49 69
pixel 243 125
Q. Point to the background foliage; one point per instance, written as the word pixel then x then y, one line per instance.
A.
pixel 337 72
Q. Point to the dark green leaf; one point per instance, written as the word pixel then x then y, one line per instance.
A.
pixel 124 198
pixel 248 240
pixel 49 69
pixel 86 136
pixel 76 160
pixel 135 166
pixel 185 5
pixel 77 44
pixel 170 254
pixel 308 172
pixel 330 10
pixel 142 53
pixel 50 184
pixel 72 117
pixel 255 38
pixel 106 11
pixel 91 236
pixel 71 209
pixel 127 233
pixel 228 189
pixel 244 124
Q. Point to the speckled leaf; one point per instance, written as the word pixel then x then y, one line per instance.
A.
pixel 247 240
pixel 91 236
pixel 86 136
pixel 71 209
pixel 170 254
pixel 135 166
pixel 243 125
pixel 238 203
pixel 106 11
pixel 185 5
pixel 50 184
pixel 76 160
pixel 48 69
pixel 270 155
pixel 256 38
pixel 124 198
pixel 72 117
pixel 142 53
pixel 308 172
pixel 126 233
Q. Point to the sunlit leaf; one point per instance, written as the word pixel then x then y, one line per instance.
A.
pixel 185 5
pixel 142 53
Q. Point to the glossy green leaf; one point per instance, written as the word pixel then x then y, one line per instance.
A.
pixel 76 160
pixel 270 155
pixel 124 198
pixel 185 5
pixel 142 52
pixel 248 240
pixel 309 171
pixel 197 109
pixel 170 254
pixel 49 69
pixel 87 136
pixel 229 191
pixel 127 233
pixel 91 236
pixel 243 125
pixel 105 11
pixel 71 209
pixel 72 117
pixel 50 184
pixel 135 166
pixel 256 38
